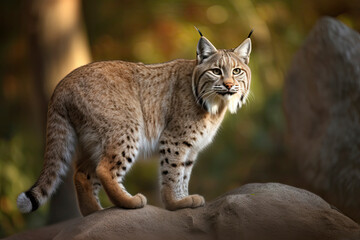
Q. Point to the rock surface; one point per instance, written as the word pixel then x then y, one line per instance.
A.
pixel 254 211
pixel 322 107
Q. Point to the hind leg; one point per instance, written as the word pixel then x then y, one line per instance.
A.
pixel 111 171
pixel 87 189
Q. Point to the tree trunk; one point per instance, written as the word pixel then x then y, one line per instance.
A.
pixel 58 45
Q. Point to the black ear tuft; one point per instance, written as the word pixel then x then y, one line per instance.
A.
pixel 252 30
pixel 198 31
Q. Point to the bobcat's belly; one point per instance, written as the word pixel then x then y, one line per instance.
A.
pixel 148 146
pixel 148 141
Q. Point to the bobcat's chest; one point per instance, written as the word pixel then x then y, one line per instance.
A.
pixel 205 136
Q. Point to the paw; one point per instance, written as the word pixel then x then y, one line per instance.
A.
pixel 143 200
pixel 191 201
pixel 137 201
pixel 197 201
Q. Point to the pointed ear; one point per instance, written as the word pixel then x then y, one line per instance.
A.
pixel 244 50
pixel 204 49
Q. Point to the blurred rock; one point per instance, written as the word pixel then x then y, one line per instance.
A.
pixel 254 211
pixel 322 107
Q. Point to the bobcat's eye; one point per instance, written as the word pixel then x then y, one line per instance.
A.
pixel 216 71
pixel 236 71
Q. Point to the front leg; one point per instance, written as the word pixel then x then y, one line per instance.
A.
pixel 175 174
pixel 189 163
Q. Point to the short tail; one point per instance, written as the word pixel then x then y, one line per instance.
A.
pixel 60 146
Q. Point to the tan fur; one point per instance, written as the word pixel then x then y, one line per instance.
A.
pixel 115 110
pixel 84 190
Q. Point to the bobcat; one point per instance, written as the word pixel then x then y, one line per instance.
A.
pixel 112 111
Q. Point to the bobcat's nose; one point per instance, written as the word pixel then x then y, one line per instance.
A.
pixel 228 84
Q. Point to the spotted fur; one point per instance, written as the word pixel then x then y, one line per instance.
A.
pixel 113 111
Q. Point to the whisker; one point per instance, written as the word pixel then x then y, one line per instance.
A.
pixel 202 95
pixel 206 96
pixel 210 96
pixel 250 97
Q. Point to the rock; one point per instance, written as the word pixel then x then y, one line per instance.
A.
pixel 254 211
pixel 322 108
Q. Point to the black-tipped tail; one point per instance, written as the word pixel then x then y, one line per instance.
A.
pixel 33 200
pixel 27 202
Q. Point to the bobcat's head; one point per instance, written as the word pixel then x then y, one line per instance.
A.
pixel 221 77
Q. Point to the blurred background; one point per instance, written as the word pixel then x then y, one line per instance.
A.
pixel 43 40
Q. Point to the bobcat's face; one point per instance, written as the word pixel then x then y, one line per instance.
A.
pixel 222 77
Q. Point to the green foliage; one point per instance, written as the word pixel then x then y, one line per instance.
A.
pixel 19 165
